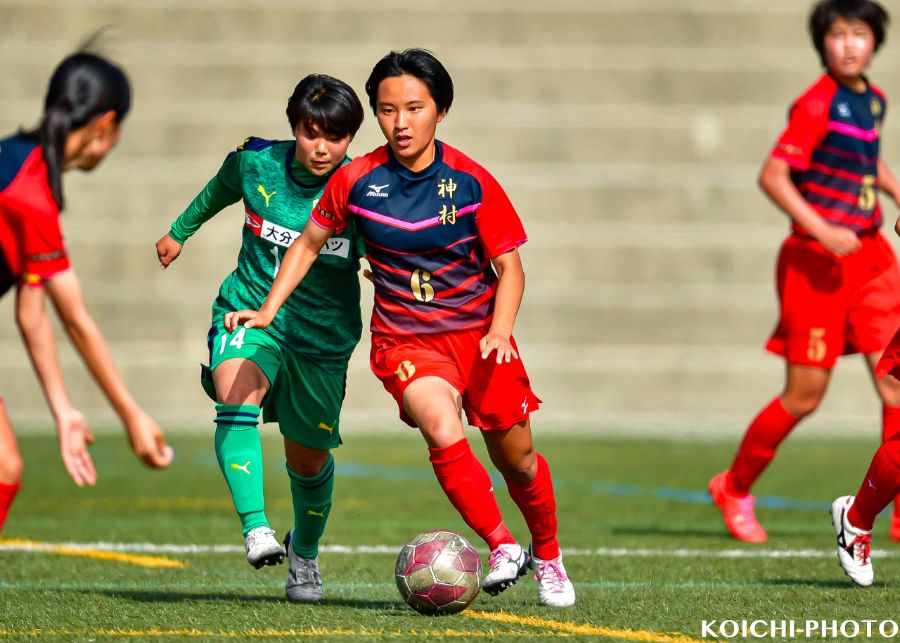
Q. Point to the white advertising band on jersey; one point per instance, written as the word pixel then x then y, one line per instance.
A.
pixel 284 237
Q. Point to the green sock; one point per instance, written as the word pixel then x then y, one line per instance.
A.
pixel 239 452
pixel 312 504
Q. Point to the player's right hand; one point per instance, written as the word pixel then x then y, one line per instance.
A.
pixel 247 319
pixel 74 439
pixel 147 441
pixel 167 250
pixel 839 240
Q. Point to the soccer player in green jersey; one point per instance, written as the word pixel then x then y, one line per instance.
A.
pixel 294 371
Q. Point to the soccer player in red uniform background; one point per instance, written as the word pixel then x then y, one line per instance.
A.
pixel 838 280
pixel 85 103
pixel 436 227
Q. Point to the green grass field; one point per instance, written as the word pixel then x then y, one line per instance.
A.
pixel 649 556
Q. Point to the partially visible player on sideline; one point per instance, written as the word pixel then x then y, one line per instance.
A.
pixel 86 101
pixel 854 516
pixel 293 372
pixel 437 226
pixel 838 280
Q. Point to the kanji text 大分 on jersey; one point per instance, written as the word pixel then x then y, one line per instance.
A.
pixel 832 145
pixel 429 237
pixel 321 318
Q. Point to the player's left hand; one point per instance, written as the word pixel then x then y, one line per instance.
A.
pixel 147 441
pixel 500 343
pixel 247 319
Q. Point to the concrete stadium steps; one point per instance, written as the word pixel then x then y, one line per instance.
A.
pixel 669 194
pixel 731 255
pixel 460 23
pixel 597 387
pixel 628 134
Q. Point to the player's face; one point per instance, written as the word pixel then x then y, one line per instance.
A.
pixel 849 45
pixel 317 151
pixel 408 117
pixel 89 145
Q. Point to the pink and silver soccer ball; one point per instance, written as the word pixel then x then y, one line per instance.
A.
pixel 438 572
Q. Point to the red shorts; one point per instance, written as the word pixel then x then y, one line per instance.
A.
pixel 494 396
pixel 833 306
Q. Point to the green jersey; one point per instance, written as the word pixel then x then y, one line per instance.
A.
pixel 321 318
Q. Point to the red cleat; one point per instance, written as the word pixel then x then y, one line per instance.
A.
pixel 737 511
pixel 894 531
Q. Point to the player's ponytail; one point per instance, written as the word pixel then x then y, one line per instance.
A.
pixel 83 86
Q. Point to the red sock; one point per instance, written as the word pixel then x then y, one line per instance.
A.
pixel 880 486
pixel 890 428
pixel 468 486
pixel 7 493
pixel 537 504
pixel 758 447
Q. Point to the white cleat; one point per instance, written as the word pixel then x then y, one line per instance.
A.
pixel 304 582
pixel 853 544
pixel 554 587
pixel 262 548
pixel 508 563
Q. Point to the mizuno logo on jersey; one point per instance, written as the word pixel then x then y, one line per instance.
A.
pixel 377 190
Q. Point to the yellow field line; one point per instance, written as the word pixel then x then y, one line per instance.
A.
pixel 273 633
pixel 583 630
pixel 119 557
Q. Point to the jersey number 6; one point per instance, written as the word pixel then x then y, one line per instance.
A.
pixel 421 289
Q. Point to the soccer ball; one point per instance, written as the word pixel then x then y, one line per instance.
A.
pixel 438 572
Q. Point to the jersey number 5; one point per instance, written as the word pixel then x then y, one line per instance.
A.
pixel 867 196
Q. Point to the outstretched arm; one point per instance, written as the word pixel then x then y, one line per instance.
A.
pixel 297 262
pixel 221 191
pixel 72 428
pixel 143 433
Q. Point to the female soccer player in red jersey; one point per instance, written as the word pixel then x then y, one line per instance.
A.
pixel 85 103
pixel 838 279
pixel 442 239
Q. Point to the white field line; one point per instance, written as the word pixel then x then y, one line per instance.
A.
pixel 162 548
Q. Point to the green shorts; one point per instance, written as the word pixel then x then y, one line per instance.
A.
pixel 303 398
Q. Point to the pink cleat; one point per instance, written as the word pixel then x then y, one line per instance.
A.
pixel 737 511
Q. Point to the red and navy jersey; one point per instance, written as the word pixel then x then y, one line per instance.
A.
pixel 31 243
pixel 831 143
pixel 429 236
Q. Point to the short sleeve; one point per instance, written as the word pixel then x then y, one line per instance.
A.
pixel 331 212
pixel 43 251
pixel 807 126
pixel 499 226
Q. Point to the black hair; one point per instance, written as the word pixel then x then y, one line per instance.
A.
pixel 83 85
pixel 419 63
pixel 327 103
pixel 827 11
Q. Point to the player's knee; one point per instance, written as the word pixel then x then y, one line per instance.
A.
pixel 11 469
pixel 519 469
pixel 308 467
pixel 801 405
pixel 441 430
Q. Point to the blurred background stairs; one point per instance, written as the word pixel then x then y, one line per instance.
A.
pixel 628 134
